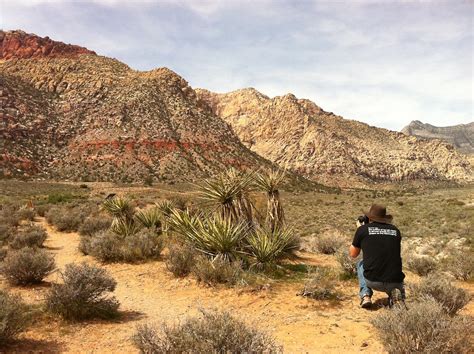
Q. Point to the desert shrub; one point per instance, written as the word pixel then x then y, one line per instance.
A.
pixel 460 264
pixel 83 294
pixel 181 258
pixel 5 232
pixel 58 197
pixel 3 254
pixel 215 332
pixel 27 266
pixel 95 223
pixel 451 298
pixel 321 286
pixel 423 327
pixel 421 265
pixel 150 217
pixel 32 236
pixel 68 218
pixel 41 210
pixel 9 216
pixel 217 271
pixel 14 316
pixel 348 264
pixel 110 247
pixel 328 242
pixel 26 213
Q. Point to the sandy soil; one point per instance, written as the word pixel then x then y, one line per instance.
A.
pixel 149 293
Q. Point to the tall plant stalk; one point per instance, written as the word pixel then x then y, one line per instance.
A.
pixel 269 182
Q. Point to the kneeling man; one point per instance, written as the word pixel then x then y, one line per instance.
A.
pixel 381 266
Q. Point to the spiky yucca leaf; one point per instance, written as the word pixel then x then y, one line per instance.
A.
pixel 269 182
pixel 149 217
pixel 118 207
pixel 165 207
pixel 124 227
pixel 268 246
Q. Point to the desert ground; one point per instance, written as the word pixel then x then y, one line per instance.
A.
pixel 429 219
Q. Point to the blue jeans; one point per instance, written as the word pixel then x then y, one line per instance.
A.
pixel 366 285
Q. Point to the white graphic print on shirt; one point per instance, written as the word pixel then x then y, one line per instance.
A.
pixel 379 231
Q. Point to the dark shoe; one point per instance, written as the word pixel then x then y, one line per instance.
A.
pixel 366 302
pixel 395 297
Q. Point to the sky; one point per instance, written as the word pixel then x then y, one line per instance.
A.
pixel 382 62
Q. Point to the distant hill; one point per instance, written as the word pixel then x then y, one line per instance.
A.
pixel 460 136
pixel 297 134
pixel 68 113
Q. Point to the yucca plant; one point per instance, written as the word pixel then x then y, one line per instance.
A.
pixel 118 207
pixel 269 182
pixel 267 246
pixel 149 218
pixel 228 194
pixel 165 207
pixel 124 227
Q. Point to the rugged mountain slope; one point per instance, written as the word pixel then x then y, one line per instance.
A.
pixel 297 134
pixel 83 116
pixel 460 136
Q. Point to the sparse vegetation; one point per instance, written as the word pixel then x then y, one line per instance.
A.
pixel 328 242
pixel 31 236
pixel 83 294
pixel 181 259
pixel 27 266
pixel 218 271
pixel 421 265
pixel 95 223
pixel 348 265
pixel 438 287
pixel 68 218
pixel 460 264
pixel 423 327
pixel 214 332
pixel 321 286
pixel 14 316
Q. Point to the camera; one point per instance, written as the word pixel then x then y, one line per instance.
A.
pixel 363 219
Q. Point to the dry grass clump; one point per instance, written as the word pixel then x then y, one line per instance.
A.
pixel 181 259
pixel 5 233
pixel 218 271
pixel 460 264
pixel 421 265
pixel 31 236
pixel 110 247
pixel 328 242
pixel 27 266
pixel 214 332
pixel 423 327
pixel 95 223
pixel 9 216
pixel 348 264
pixel 83 294
pixel 14 316
pixel 321 286
pixel 451 298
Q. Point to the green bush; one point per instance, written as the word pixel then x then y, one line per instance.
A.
pixel 423 328
pixel 328 242
pixel 181 259
pixel 27 266
pixel 68 218
pixel 14 316
pixel 31 236
pixel 215 332
pixel 438 287
pixel 83 294
pixel 57 197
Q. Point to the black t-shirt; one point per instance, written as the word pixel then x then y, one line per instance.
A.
pixel 380 244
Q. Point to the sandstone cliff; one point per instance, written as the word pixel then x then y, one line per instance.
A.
pixel 460 136
pixel 89 117
pixel 297 134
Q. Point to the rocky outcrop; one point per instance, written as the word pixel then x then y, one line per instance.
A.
pixel 22 45
pixel 460 136
pixel 93 118
pixel 299 135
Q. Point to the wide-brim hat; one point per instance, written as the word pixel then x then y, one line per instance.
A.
pixel 379 213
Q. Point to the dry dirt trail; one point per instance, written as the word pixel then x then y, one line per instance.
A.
pixel 149 293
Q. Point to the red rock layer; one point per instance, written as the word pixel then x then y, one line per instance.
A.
pixel 22 45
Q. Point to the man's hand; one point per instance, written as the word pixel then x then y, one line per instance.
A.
pixel 354 251
pixel 358 223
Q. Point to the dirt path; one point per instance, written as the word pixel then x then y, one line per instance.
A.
pixel 148 293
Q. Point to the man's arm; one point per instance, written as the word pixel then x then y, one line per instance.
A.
pixel 354 251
